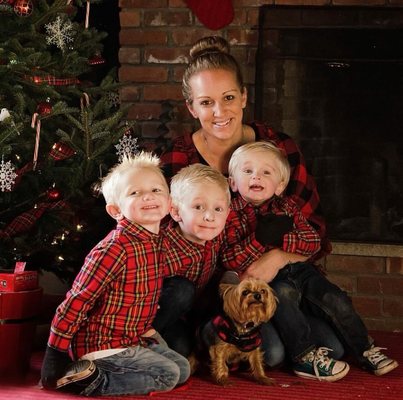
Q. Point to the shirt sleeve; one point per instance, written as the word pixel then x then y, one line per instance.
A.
pixel 240 249
pixel 303 239
pixel 100 267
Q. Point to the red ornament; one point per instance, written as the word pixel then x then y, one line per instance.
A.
pixel 23 8
pixel 61 151
pixel 53 194
pixel 44 107
pixel 97 59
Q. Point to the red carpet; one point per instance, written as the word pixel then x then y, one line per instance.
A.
pixel 357 384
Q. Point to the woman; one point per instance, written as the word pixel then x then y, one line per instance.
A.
pixel 215 95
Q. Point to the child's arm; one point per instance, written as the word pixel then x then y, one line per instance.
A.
pixel 268 265
pixel 302 239
pixel 239 248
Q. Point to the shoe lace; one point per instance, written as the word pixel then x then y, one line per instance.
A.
pixel 374 355
pixel 321 360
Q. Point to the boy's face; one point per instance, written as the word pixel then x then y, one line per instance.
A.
pixel 144 198
pixel 257 178
pixel 202 214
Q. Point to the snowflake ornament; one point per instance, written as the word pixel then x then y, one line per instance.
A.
pixel 59 33
pixel 7 176
pixel 127 146
pixel 114 99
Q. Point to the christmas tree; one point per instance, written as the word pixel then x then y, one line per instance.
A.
pixel 61 129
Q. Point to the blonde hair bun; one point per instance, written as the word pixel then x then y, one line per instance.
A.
pixel 209 44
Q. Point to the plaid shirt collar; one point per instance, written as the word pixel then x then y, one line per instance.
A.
pixel 239 204
pixel 135 229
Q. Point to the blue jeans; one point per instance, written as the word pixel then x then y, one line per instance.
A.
pixel 139 370
pixel 321 333
pixel 177 298
pixel 302 289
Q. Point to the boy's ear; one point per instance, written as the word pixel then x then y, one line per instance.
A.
pixel 280 188
pixel 114 211
pixel 175 213
pixel 232 184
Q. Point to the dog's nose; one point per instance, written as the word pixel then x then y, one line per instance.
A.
pixel 257 296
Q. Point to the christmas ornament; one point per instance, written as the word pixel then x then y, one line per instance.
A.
pixel 59 33
pixel 96 188
pixel 212 13
pixel 53 194
pixel 4 114
pixel 61 151
pixel 114 99
pixel 97 59
pixel 7 176
pixel 52 80
pixel 36 123
pixel 23 8
pixel 127 146
pixel 44 107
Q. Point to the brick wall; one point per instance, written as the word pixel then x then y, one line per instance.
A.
pixel 155 38
pixel 375 285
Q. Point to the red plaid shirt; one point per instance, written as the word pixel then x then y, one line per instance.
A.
pixel 114 298
pixel 240 246
pixel 191 260
pixel 301 188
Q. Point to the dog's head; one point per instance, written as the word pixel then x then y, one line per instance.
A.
pixel 252 300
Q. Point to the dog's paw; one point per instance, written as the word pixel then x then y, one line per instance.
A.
pixel 265 380
pixel 222 381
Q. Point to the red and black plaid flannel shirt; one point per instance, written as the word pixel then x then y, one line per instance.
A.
pixel 241 248
pixel 114 297
pixel 301 188
pixel 193 261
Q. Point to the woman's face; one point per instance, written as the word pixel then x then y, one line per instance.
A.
pixel 218 102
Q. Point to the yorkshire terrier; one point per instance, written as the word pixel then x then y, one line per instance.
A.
pixel 234 335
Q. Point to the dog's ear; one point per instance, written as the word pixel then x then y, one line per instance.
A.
pixel 224 288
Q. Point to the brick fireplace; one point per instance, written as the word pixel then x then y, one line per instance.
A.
pixel 154 40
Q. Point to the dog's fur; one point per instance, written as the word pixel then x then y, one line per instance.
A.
pixel 247 304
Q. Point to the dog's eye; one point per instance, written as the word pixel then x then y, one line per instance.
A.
pixel 263 291
pixel 245 292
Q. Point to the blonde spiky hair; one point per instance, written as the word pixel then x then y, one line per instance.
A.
pixel 110 183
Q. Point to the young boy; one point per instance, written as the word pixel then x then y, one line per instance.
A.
pixel 200 206
pixel 259 172
pixel 105 320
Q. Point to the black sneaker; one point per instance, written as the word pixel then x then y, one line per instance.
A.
pixel 377 362
pixel 78 376
pixel 317 365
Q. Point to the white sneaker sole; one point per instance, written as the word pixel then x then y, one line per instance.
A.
pixel 332 378
pixel 87 369
pixel 386 368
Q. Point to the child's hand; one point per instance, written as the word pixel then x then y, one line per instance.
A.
pixel 54 366
pixel 270 229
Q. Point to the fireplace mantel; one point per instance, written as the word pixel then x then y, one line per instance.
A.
pixel 366 249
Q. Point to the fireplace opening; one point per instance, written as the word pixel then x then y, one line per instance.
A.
pixel 332 78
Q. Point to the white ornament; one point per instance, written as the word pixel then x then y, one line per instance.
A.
pixel 127 146
pixel 59 33
pixel 7 176
pixel 114 99
pixel 4 114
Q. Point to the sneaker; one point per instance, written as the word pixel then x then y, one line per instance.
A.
pixel 317 365
pixel 78 376
pixel 377 362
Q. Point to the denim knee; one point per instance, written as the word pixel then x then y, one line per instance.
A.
pixel 272 346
